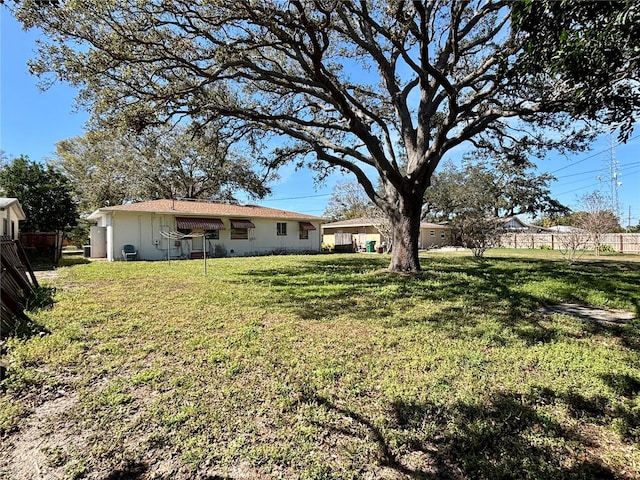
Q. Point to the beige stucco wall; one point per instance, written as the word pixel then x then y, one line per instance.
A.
pixel 431 237
pixel 143 231
pixel 360 235
pixel 440 237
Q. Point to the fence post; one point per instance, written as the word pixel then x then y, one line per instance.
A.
pixel 621 244
pixel 553 247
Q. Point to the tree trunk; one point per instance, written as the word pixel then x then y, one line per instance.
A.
pixel 405 224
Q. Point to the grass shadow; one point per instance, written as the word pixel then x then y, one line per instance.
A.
pixel 132 471
pixel 457 290
pixel 500 438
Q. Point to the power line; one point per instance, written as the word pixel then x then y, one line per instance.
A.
pixel 298 198
pixel 590 185
pixel 594 155
pixel 623 166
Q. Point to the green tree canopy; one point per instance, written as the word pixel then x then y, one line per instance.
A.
pixel 383 90
pixel 46 195
pixel 592 47
pixel 110 169
pixel 492 188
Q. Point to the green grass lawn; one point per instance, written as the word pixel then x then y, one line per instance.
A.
pixel 321 367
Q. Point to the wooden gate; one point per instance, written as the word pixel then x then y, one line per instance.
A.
pixel 343 242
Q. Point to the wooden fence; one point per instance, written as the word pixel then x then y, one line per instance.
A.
pixel 45 246
pixel 618 242
pixel 17 284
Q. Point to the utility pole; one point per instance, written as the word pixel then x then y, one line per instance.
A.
pixel 613 176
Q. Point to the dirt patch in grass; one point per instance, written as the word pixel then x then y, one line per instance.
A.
pixel 40 451
pixel 601 316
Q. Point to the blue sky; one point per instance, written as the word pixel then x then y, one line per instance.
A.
pixel 31 122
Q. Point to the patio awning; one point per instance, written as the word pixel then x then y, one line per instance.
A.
pixel 306 226
pixel 194 223
pixel 241 223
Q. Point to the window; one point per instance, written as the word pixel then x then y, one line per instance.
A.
pixel 304 228
pixel 432 233
pixel 212 234
pixel 240 228
pixel 281 228
pixel 443 235
pixel 239 234
pixel 4 226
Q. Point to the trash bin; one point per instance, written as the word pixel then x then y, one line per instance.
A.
pixel 371 246
pixel 86 251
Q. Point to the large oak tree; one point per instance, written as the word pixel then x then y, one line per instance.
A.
pixel 381 89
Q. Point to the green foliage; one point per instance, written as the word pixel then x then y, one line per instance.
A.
pixel 607 249
pixel 109 167
pixel 328 366
pixel 489 188
pixel 80 234
pixel 591 47
pixel 45 194
pixel 42 298
pixel 348 200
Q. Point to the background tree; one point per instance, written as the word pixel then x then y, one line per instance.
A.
pixel 348 201
pixel 383 90
pixel 101 170
pixel 46 195
pixel 598 219
pixel 108 169
pixel 491 189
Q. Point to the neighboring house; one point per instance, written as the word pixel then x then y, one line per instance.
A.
pixel 562 229
pixel 512 224
pixel 183 229
pixel 358 231
pixel 11 213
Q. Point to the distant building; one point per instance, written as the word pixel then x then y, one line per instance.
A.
pixel 11 214
pixel 356 232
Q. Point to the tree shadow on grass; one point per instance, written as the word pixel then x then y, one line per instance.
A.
pixel 140 470
pixel 457 291
pixel 502 438
pixel 131 471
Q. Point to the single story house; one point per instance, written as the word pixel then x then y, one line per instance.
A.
pixel 11 214
pixel 161 229
pixel 512 225
pixel 358 231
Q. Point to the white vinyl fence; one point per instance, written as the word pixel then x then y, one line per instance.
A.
pixel 619 242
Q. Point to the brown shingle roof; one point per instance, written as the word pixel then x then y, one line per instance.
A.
pixel 182 207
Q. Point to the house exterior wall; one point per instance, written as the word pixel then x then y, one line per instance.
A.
pixel 431 237
pixel 360 235
pixel 441 236
pixel 143 230
pixel 10 222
